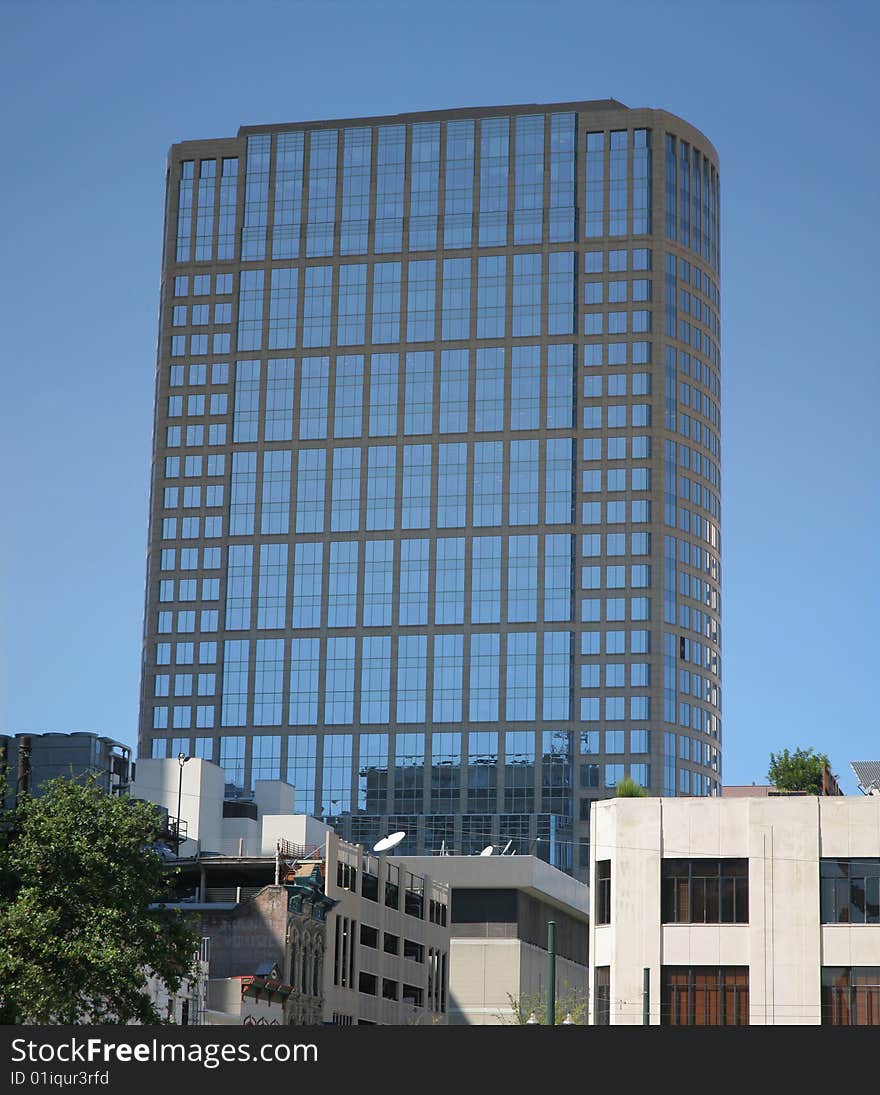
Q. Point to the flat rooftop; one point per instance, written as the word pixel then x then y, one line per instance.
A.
pixel 438 115
pixel 504 872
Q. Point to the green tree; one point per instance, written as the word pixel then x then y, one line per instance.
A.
pixel 78 935
pixel 628 788
pixel 797 771
pixel 569 1002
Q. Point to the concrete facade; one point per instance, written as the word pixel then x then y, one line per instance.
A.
pixel 389 938
pixel 498 946
pixel 215 826
pixel 267 932
pixel 782 948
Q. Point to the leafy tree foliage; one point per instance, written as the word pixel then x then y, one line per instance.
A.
pixel 797 771
pixel 77 935
pixel 570 1001
pixel 628 788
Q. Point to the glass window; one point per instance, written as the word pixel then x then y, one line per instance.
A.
pixel 412 661
pixel 456 302
pixel 391 159
pixel 703 996
pixel 421 295
pixel 424 186
pixel 383 395
pixel 487 482
pixel 484 677
pixel 528 179
pixel 494 153
pixel 705 891
pixel 304 688
pixel 595 188
pixel 381 487
pixel 851 996
pixel 386 301
pixel 486 579
pixel 416 490
pixel 522 578
pixel 526 304
pixel 322 191
pixel 349 396
pixel 458 210
pixel 314 381
pixel 413 598
pixel 489 413
pixel 449 577
pixel 375 678
pixel 454 385
pixel 351 311
pixel 355 191
pixel 342 594
pixel 523 508
pixel 491 291
pixel 560 288
pixel 288 196
pixel 419 393
pixel 452 485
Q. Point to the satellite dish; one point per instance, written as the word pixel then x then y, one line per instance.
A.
pixel 488 850
pixel 388 842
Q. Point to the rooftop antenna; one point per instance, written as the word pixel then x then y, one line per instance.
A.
pixel 488 850
pixel 442 847
pixel 506 847
pixel 389 842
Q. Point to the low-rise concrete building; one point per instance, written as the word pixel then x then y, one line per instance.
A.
pixel 501 906
pixel 351 937
pixel 209 823
pixel 388 937
pixel 761 911
pixel 268 953
pixel 79 755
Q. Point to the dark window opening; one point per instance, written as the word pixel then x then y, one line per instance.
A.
pixel 412 950
pixel 694 996
pixel 603 891
pixel 851 996
pixel 705 891
pixel 370 887
pixel 850 891
pixel 602 1001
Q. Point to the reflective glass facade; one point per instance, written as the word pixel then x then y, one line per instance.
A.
pixel 435 519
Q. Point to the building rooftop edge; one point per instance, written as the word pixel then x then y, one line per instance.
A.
pixel 453 113
pixel 441 112
pixel 527 872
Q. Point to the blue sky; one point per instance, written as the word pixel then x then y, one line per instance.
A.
pixel 95 93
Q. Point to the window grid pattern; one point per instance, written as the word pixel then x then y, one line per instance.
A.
pixel 504 356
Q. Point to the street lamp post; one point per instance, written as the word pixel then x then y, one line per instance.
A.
pixel 182 758
pixel 551 973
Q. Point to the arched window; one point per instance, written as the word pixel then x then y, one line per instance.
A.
pixel 317 971
pixel 294 947
pixel 304 970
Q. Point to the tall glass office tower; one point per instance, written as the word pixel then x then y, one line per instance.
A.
pixel 435 495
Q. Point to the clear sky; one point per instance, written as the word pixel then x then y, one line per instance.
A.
pixel 788 92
